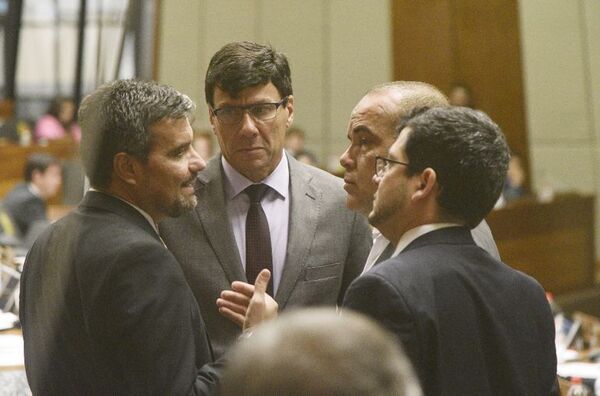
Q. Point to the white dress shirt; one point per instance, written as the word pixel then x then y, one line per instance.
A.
pixel 275 204
pixel 380 242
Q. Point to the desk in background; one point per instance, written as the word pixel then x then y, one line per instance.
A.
pixel 553 242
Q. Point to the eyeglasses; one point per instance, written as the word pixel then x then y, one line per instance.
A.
pixel 231 115
pixel 383 164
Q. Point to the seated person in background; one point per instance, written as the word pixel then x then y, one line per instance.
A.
pixel 26 203
pixel 514 185
pixel 471 325
pixel 318 352
pixel 294 144
pixel 58 122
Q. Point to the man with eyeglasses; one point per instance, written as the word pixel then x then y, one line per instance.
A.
pixel 371 132
pixel 258 207
pixel 470 324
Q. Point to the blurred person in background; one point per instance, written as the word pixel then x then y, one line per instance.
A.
pixel 58 122
pixel 294 143
pixel 514 185
pixel 26 203
pixel 461 95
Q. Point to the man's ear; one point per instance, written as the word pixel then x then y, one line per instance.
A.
pixel 36 174
pixel 126 167
pixel 426 183
pixel 212 119
pixel 290 108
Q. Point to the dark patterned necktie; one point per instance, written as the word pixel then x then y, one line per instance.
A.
pixel 258 237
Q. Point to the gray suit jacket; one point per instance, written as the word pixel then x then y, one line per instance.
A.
pixel 327 245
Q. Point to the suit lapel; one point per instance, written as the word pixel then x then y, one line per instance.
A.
pixel 304 211
pixel 212 214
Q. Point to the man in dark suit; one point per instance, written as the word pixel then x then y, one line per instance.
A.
pixel 314 246
pixel 470 324
pixel 26 203
pixel 105 307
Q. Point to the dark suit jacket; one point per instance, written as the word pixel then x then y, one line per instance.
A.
pixel 470 324
pixel 24 208
pixel 327 245
pixel 106 310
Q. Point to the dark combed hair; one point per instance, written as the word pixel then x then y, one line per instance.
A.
pixel 468 152
pixel 116 117
pixel 38 162
pixel 244 64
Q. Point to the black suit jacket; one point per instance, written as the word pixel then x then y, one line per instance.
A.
pixel 24 208
pixel 106 310
pixel 470 324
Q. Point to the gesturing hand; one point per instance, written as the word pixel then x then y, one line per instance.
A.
pixel 246 304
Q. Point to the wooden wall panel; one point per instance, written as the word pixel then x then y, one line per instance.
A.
pixel 470 41
pixel 488 58
pixel 422 41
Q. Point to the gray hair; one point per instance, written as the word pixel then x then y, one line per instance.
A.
pixel 318 352
pixel 116 118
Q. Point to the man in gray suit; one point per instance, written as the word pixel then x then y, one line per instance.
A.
pixel 317 246
pixel 371 132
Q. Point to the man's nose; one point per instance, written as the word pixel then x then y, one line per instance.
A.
pixel 345 159
pixel 376 179
pixel 248 125
pixel 197 163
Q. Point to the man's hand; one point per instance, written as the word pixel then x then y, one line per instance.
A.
pixel 248 305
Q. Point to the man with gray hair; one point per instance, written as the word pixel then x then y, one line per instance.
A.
pixel 371 132
pixel 318 352
pixel 105 308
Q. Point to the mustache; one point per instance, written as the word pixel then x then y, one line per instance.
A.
pixel 192 181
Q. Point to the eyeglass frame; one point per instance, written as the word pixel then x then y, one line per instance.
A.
pixel 248 108
pixel 381 170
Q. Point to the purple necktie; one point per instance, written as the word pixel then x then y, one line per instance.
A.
pixel 258 237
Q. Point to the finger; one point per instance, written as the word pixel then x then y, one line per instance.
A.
pixel 241 309
pixel 262 281
pixel 237 298
pixel 233 316
pixel 243 287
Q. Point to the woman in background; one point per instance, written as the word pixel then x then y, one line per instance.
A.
pixel 58 122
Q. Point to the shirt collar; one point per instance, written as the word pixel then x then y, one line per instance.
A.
pixel 278 180
pixel 34 190
pixel 416 232
pixel 142 212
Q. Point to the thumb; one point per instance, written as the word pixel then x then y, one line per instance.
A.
pixel 262 281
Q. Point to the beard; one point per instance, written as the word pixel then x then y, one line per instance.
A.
pixel 384 208
pixel 181 205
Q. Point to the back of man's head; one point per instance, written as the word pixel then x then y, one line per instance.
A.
pixel 407 96
pixel 318 352
pixel 116 118
pixel 468 152
pixel 244 64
